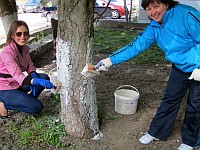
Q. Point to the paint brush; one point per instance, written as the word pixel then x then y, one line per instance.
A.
pixel 89 71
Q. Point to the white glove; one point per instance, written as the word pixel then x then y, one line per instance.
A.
pixel 103 65
pixel 195 75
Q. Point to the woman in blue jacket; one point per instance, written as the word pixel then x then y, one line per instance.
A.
pixel 176 30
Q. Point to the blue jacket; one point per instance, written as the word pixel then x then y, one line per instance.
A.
pixel 178 37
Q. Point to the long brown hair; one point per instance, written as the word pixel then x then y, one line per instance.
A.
pixel 13 29
pixel 170 3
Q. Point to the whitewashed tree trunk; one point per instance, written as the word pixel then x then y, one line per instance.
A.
pixel 7 21
pixel 8 13
pixel 74 50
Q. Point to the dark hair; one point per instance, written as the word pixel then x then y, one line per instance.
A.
pixel 13 29
pixel 170 3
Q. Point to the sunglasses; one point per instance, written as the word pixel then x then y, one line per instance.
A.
pixel 18 34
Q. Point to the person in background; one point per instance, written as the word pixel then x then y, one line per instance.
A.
pixel 53 7
pixel 175 28
pixel 18 76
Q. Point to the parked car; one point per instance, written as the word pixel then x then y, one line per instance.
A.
pixel 121 3
pixel 116 10
pixel 32 6
pixel 99 9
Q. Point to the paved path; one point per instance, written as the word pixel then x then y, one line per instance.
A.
pixel 34 21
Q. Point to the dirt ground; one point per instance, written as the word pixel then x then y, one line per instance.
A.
pixel 121 132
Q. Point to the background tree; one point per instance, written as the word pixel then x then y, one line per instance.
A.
pixel 8 13
pixel 128 13
pixel 100 15
pixel 74 50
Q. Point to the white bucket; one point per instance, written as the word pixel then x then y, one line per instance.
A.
pixel 53 76
pixel 126 99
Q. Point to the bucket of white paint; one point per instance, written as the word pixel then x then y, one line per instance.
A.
pixel 53 76
pixel 126 99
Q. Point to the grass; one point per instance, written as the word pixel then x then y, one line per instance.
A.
pixel 113 39
pixel 46 129
pixel 38 130
pixel 111 117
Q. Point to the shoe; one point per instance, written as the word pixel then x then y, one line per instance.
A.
pixel 4 120
pixel 5 117
pixel 147 139
pixel 185 147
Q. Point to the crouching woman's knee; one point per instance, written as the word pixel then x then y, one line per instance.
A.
pixel 36 107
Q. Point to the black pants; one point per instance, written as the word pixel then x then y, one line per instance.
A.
pixel 165 117
pixel 54 26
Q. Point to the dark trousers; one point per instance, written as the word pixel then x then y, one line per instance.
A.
pixel 54 26
pixel 19 99
pixel 165 117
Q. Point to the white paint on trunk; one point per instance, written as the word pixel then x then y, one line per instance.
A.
pixel 63 63
pixel 78 99
pixel 7 21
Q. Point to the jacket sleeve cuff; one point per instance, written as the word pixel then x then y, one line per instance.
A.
pixel 27 80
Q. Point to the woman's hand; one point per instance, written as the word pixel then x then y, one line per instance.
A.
pixel 34 74
pixel 103 65
pixel 42 82
pixel 195 75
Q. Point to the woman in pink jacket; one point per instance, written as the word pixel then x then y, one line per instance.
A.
pixel 15 61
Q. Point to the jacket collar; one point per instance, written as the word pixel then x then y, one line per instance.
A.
pixel 20 58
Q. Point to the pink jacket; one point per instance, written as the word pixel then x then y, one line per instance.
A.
pixel 13 63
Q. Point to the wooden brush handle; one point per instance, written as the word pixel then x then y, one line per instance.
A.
pixel 58 85
pixel 91 69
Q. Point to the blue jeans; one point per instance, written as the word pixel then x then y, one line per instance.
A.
pixel 165 117
pixel 18 99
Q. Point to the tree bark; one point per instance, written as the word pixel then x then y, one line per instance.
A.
pixel 125 11
pixel 8 13
pixel 74 50
pixel 131 7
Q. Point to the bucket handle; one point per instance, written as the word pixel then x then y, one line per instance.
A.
pixel 130 86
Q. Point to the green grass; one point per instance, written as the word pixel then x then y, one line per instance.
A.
pixel 46 129
pixel 114 39
pixel 111 117
pixel 38 130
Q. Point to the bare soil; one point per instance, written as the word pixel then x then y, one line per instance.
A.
pixel 120 132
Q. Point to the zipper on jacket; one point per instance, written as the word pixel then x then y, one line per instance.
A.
pixel 162 28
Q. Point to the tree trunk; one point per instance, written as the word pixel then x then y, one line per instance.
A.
pixel 125 11
pixel 131 7
pixel 8 13
pixel 74 50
